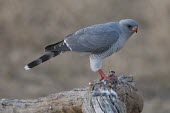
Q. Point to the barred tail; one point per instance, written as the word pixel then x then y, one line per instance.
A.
pixel 42 59
pixel 52 51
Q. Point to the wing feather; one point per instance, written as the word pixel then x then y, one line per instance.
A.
pixel 95 39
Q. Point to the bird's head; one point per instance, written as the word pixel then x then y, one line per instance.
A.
pixel 129 26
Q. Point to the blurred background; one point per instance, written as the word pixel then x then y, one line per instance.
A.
pixel 27 26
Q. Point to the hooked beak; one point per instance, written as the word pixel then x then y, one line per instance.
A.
pixel 135 29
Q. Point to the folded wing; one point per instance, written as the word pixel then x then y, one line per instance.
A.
pixel 94 39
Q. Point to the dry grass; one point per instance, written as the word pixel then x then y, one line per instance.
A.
pixel 27 26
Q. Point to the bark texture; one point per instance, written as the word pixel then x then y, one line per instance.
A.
pixel 116 96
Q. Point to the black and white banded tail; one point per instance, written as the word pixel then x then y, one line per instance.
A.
pixel 52 51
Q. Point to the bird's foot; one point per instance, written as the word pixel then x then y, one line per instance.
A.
pixel 102 75
pixel 110 78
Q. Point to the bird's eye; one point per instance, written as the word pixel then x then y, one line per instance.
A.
pixel 129 26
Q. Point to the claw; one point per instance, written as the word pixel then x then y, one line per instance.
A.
pixel 110 78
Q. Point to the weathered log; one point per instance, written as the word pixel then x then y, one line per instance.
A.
pixel 64 102
pixel 117 96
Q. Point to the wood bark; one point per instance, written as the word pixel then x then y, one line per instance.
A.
pixel 121 96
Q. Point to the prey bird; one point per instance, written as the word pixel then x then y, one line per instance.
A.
pixel 100 40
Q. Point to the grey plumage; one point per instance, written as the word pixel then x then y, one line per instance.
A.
pixel 51 51
pixel 99 40
pixel 94 39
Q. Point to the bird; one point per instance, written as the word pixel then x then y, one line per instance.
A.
pixel 99 40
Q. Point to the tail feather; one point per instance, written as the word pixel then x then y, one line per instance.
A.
pixel 59 46
pixel 42 59
pixel 52 51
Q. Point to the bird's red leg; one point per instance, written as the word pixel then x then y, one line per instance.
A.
pixel 102 75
